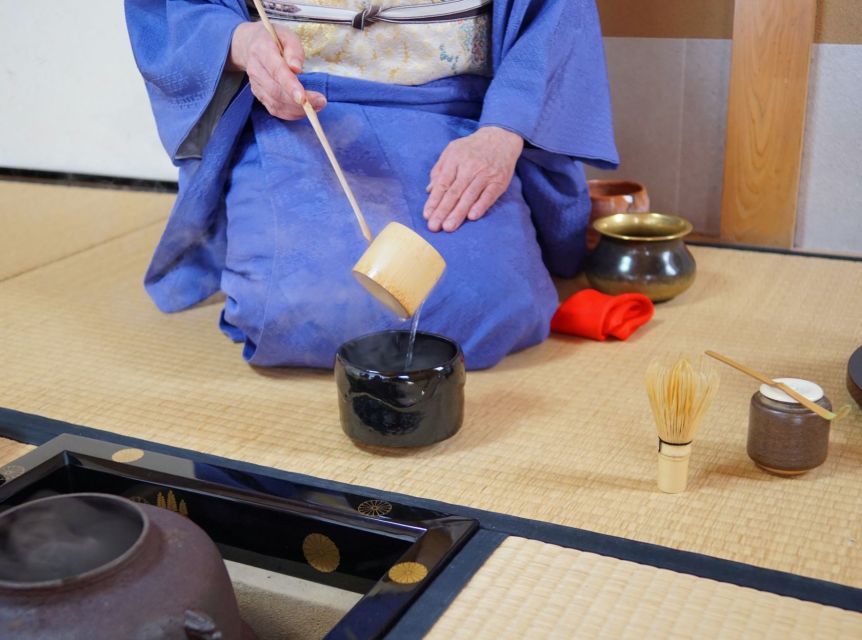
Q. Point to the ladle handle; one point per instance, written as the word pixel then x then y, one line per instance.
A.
pixel 315 124
pixel 805 402
pixel 268 25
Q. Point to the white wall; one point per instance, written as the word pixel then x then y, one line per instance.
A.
pixel 71 98
pixel 670 104
pixel 830 193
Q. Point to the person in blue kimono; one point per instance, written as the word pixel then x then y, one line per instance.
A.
pixel 466 120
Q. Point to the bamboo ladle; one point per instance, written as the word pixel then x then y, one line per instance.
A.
pixel 805 402
pixel 399 267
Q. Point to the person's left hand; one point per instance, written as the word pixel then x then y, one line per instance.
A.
pixel 471 173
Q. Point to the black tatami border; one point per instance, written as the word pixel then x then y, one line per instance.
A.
pixel 68 179
pixel 495 527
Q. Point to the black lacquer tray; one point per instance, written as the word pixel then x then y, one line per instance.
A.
pixel 386 551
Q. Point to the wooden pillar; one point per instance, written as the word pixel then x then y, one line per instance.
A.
pixel 766 120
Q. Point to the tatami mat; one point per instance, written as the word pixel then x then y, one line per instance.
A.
pixel 529 589
pixel 42 223
pixel 10 450
pixel 561 432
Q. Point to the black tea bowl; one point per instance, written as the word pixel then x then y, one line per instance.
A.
pixel 384 402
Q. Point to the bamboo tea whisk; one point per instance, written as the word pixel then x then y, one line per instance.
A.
pixel 679 395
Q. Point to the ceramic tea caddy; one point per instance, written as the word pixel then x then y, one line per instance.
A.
pixel 784 437
pixel 642 253
pixel 385 402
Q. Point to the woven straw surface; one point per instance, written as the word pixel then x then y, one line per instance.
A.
pixel 10 450
pixel 561 432
pixel 42 223
pixel 551 592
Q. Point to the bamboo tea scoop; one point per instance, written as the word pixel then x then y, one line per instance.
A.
pixel 805 402
pixel 399 267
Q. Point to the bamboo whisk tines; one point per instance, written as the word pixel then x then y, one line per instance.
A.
pixel 679 396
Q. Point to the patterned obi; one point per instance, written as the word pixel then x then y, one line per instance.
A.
pixel 371 43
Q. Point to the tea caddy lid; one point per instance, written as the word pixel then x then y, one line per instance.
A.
pixel 806 388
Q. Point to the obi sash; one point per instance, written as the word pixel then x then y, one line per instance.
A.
pixel 421 12
pixel 411 43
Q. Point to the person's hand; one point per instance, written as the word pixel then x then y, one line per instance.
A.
pixel 470 175
pixel 272 76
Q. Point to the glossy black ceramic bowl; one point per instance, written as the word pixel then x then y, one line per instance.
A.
pixel 384 402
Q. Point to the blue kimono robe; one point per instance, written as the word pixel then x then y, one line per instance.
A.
pixel 260 215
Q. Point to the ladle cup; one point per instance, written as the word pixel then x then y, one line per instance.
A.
pixel 399 267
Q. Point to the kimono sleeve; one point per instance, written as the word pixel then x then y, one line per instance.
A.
pixel 181 48
pixel 550 82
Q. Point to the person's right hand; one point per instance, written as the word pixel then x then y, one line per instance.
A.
pixel 272 76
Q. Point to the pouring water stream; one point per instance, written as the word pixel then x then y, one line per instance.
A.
pixel 413 327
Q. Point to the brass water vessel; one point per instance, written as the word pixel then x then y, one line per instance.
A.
pixel 642 253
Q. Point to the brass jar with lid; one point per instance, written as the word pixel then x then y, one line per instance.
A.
pixel 784 437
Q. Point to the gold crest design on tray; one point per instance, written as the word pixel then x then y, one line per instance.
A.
pixel 170 503
pixel 127 455
pixel 408 572
pixel 11 471
pixel 374 508
pixel 321 552
pixel 140 500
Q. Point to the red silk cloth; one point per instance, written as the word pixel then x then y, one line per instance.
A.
pixel 592 314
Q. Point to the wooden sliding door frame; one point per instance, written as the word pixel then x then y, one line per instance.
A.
pixel 766 120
